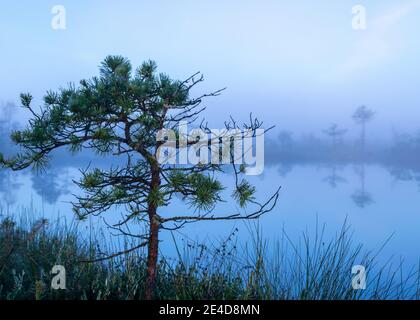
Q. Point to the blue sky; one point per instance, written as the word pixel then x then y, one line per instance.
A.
pixel 297 64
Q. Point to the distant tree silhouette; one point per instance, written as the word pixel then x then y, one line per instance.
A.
pixel 362 116
pixel 335 133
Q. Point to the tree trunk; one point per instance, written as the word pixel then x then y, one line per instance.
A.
pixel 153 238
pixel 152 258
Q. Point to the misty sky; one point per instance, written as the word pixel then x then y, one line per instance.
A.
pixel 296 64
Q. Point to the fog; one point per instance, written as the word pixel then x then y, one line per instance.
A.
pixel 297 65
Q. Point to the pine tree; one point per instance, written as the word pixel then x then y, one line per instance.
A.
pixel 120 113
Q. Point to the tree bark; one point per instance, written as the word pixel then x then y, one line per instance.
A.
pixel 153 240
pixel 152 259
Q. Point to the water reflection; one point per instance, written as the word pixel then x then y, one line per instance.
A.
pixel 401 174
pixel 8 188
pixel 334 179
pixel 334 148
pixel 361 197
pixel 50 185
pixel 285 155
pixel 336 151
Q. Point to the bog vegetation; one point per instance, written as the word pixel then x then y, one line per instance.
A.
pixel 314 267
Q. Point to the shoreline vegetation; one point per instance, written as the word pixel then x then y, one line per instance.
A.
pixel 313 268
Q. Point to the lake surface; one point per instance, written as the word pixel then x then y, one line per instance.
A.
pixel 376 201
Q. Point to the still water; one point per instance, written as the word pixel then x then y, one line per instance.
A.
pixel 376 201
